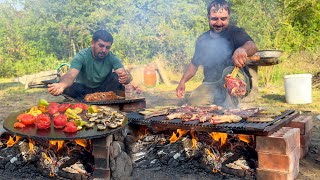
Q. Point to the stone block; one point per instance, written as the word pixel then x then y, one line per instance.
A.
pixel 101 163
pixel 99 141
pixel 100 173
pixel 99 152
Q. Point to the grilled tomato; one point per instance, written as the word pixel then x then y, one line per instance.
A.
pixel 70 127
pixel 18 125
pixel 43 121
pixel 26 119
pixel 53 108
pixel 60 121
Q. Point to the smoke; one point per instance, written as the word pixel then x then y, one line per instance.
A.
pixel 214 53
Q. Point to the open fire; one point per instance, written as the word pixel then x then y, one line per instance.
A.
pixel 68 159
pixel 210 152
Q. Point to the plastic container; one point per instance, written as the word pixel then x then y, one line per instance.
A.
pixel 149 75
pixel 298 88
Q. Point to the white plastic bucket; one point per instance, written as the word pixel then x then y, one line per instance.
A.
pixel 298 88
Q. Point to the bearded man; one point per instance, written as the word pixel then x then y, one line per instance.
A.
pixel 94 69
pixel 218 50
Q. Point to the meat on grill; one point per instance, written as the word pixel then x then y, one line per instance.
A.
pixel 219 119
pixel 101 96
pixel 236 87
pixel 244 113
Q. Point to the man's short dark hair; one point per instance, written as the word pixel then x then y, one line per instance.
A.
pixel 218 4
pixel 103 35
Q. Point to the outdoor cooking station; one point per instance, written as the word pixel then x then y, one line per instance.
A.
pixel 102 140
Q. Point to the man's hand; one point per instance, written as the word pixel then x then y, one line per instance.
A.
pixel 239 57
pixel 180 91
pixel 55 89
pixel 124 76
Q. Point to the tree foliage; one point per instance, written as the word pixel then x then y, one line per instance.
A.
pixel 39 34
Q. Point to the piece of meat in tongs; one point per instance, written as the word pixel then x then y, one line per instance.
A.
pixel 236 87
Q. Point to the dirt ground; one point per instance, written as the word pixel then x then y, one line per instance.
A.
pixel 14 97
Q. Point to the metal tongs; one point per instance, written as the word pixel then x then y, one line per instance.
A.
pixel 236 69
pixel 233 74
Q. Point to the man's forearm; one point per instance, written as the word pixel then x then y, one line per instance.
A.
pixel 66 80
pixel 250 48
pixel 191 71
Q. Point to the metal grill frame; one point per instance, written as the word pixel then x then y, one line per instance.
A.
pixel 242 127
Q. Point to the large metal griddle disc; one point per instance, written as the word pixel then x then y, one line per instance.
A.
pixel 52 133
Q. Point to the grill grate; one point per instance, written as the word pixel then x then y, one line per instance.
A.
pixel 118 101
pixel 242 127
pixel 109 102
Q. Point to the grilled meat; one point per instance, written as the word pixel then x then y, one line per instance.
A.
pixel 236 87
pixel 102 96
pixel 219 119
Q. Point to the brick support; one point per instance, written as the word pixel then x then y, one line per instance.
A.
pixel 285 163
pixel 279 154
pixel 283 141
pixel 304 123
pixel 263 174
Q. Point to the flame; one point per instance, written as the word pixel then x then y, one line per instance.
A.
pixel 194 140
pixel 57 143
pixel 174 138
pixel 12 142
pixel 222 137
pixel 81 142
pixel 46 156
pixel 244 138
pixel 31 145
pixel 214 170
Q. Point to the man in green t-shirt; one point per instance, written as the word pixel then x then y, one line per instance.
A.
pixel 94 69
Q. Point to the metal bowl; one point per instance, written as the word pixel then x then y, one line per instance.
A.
pixel 269 53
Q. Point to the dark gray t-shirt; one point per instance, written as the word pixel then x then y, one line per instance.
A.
pixel 214 51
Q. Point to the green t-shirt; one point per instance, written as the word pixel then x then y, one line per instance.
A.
pixel 93 72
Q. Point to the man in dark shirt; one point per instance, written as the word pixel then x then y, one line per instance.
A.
pixel 94 69
pixel 218 50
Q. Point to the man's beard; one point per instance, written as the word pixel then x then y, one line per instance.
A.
pixel 212 29
pixel 100 56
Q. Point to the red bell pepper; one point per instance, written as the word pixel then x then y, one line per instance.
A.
pixel 63 107
pixel 80 105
